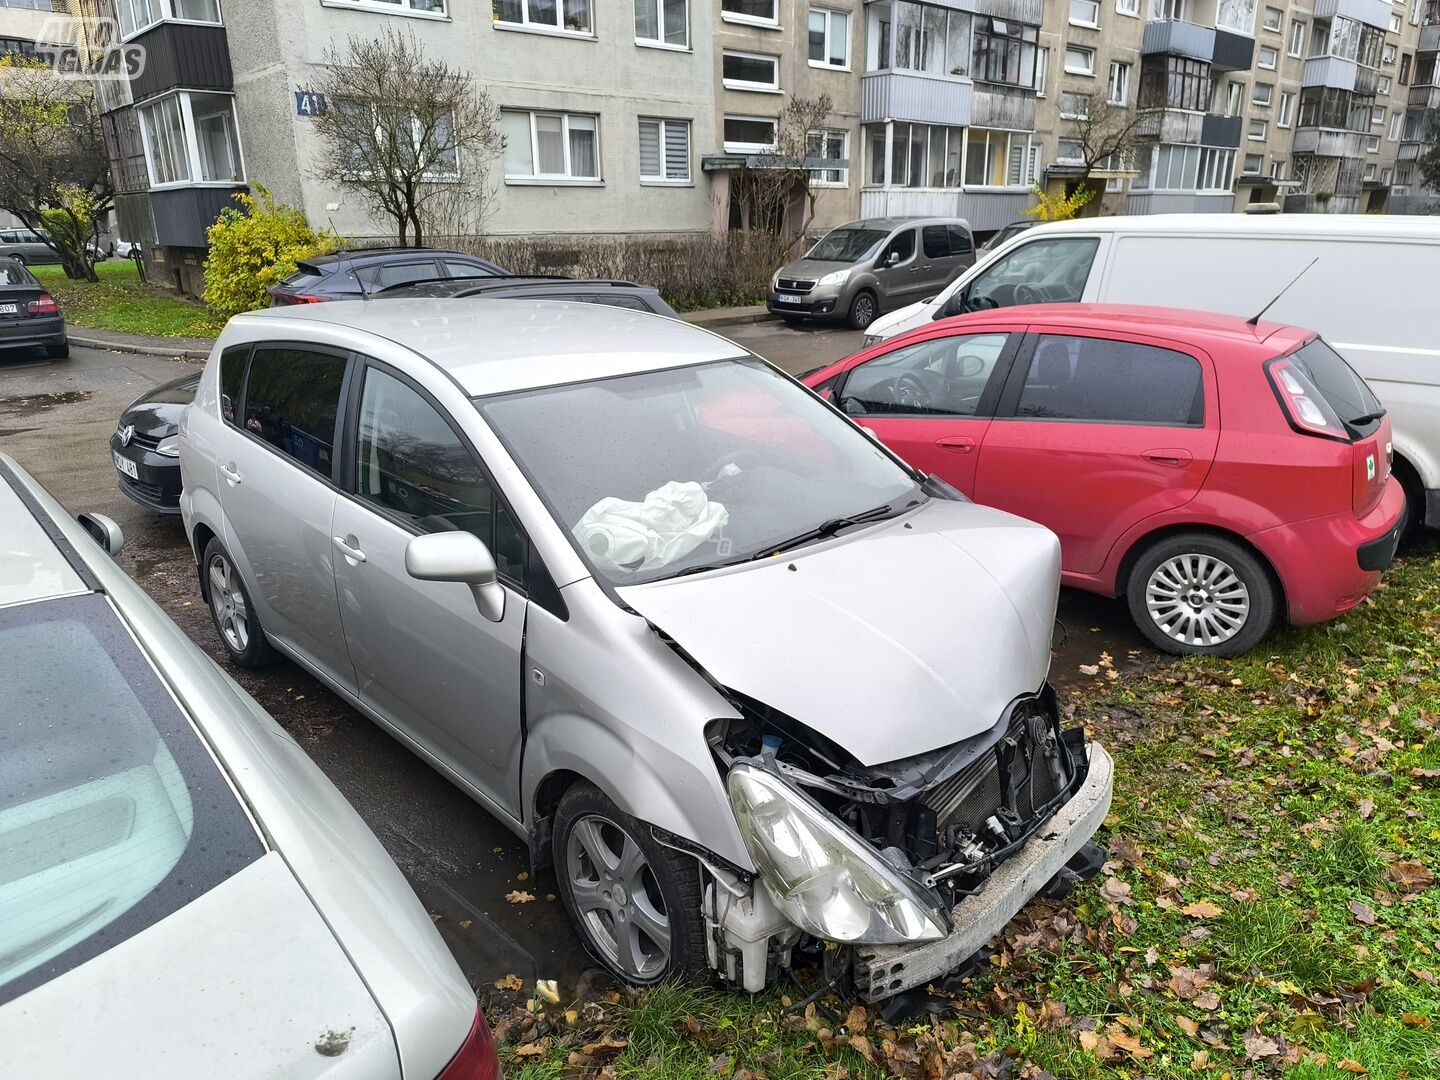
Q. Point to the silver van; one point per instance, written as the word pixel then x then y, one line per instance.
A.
pixel 743 680
pixel 862 268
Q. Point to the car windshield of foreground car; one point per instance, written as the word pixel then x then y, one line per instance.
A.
pixel 670 471
pixel 846 245
pixel 1346 391
pixel 113 815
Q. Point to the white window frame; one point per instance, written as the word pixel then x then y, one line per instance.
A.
pixel 1128 7
pixel 404 8
pixel 1121 68
pixel 1093 23
pixel 1245 169
pixel 167 14
pixel 1389 53
pixel 1286 110
pixel 567 178
pixel 1089 70
pixel 1387 174
pixel 1279 19
pixel 1274 58
pixel 1377 115
pixel 749 148
pixel 844 181
pixel 1061 159
pixel 1295 43
pixel 192 144
pixel 829 14
pixel 1397 120
pixel 772 87
pixel 1029 158
pixel 1042 68
pixel 1372 144
pixel 1256 99
pixel 430 177
pixel 660 42
pixel 1370 168
pixel 1264 130
pixel 1070 113
pixel 1279 168
pixel 1382 84
pixel 557 27
pixel 1395 23
pixel 753 20
pixel 664 179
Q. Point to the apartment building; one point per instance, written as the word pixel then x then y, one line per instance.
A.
pixel 29 29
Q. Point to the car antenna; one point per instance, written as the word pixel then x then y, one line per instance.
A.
pixel 345 259
pixel 1254 320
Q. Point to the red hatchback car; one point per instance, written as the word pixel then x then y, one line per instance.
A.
pixel 1217 474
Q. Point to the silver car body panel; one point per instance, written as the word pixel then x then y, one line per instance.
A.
pixel 363 901
pixel 894 673
pixel 30 567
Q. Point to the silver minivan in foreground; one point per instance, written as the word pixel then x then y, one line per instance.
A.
pixel 744 680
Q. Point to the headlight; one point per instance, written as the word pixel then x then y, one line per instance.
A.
pixel 775 281
pixel 825 879
pixel 870 339
pixel 169 446
pixel 837 278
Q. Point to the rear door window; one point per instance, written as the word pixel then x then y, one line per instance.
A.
pixel 383 275
pixel 960 240
pixel 466 269
pixel 936 241
pixel 1107 381
pixel 292 399
pixel 113 814
pixel 232 379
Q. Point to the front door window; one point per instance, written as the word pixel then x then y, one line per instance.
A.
pixel 1040 272
pixel 944 377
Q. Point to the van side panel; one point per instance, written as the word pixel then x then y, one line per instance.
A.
pixel 1366 297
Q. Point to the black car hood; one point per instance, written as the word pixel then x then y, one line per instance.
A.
pixel 157 412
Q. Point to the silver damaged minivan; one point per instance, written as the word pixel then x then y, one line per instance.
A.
pixel 746 682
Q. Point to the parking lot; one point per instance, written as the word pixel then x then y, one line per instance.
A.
pixel 56 419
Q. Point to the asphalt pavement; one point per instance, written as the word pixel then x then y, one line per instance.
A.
pixel 56 419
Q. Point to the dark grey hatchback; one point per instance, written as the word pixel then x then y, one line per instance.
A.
pixel 29 316
pixel 145 448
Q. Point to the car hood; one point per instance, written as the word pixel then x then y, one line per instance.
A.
pixel 245 980
pixel 158 412
pixel 814 269
pixel 885 325
pixel 892 640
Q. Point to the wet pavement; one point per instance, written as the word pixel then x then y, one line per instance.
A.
pixel 56 420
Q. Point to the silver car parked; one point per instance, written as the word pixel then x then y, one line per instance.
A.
pixel 26 246
pixel 182 892
pixel 744 680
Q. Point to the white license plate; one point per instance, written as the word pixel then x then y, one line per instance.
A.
pixel 780 298
pixel 9 309
pixel 126 466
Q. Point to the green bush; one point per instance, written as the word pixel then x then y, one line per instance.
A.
pixel 252 247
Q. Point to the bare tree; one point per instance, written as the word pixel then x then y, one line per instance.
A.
pixel 414 136
pixel 1105 130
pixel 773 183
pixel 54 175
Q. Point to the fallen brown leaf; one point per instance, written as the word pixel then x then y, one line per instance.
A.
pixel 1187 982
pixel 510 982
pixel 1208 1000
pixel 1350 1065
pixel 1199 1060
pixel 857 1020
pixel 1116 891
pixel 519 897
pixel 1202 909
pixel 1363 912
pixel 861 1045
pixel 1410 877
pixel 1130 1044
pixel 1415 1020
pixel 534 1049
pixel 1366 808
pixel 1258 1046
pixel 1185 1024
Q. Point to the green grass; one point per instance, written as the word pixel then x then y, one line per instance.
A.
pixel 121 302
pixel 1278 787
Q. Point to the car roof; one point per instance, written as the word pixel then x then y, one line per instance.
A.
pixel 368 255
pixel 1398 228
pixel 451 285
pixel 888 223
pixel 1197 327
pixel 493 345
pixel 39 562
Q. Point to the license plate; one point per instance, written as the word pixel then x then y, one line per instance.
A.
pixel 779 299
pixel 9 309
pixel 126 466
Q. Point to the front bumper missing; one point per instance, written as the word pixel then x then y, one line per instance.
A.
pixel 881 971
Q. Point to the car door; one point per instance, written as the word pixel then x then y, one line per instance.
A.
pixel 897 268
pixel 1097 431
pixel 931 401
pixel 426 660
pixel 939 262
pixel 276 487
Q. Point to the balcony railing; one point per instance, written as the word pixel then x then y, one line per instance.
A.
pixel 1172 37
pixel 1233 52
pixel 1008 107
pixel 1370 12
pixel 1330 71
pixel 1424 97
pixel 1216 130
pixel 1429 39
pixel 916 96
pixel 1026 11
pixel 1172 126
pixel 1328 142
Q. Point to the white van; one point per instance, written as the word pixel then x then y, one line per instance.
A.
pixel 1369 289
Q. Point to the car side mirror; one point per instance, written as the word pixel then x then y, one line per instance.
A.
pixel 461 557
pixel 955 305
pixel 892 258
pixel 104 531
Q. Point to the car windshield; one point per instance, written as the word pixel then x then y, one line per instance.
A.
pixel 671 471
pixel 1346 391
pixel 113 815
pixel 846 245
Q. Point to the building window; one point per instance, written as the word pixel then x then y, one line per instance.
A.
pixel 562 16
pixel 921 155
pixel 1175 82
pixel 1279 169
pixel 1370 168
pixel 191 138
pixel 1387 57
pixel 1297 37
pixel 1177 10
pixel 1267 57
pixel 416 7
pixel 1042 65
pixel 1274 19
pixel 1396 117
pixel 137 15
pixel 1236 15
pixel 1004 52
pixel 1128 7
pixel 1000 158
pixel 1258 129
pixel 750 71
pixel 926 38
pixel 1287 107
pixel 1372 144
pixel 1069 152
pixel 1382 84
pixel 551 146
pixel 431 146
pixel 1085 13
pixel 1074 106
pixel 1385 175
pixel 1395 23
pixel 1187 168
pixel 832 145
pixel 829 38
pixel 1254 164
pixel 1079 61
pixel 765 12
pixel 1377 115
pixel 1261 93
pixel 1234 95
pixel 1118 88
pixel 1404 65
pixel 749 134
pixel 662 22
pixel 665 151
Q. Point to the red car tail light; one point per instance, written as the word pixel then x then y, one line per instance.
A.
pixel 45 305
pixel 1305 407
pixel 300 298
pixel 476 1059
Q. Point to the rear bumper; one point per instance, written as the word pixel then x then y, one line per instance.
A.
pixel 883 971
pixel 24 333
pixel 1328 565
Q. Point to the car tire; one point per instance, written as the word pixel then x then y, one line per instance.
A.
pixel 863 309
pixel 235 618
pixel 1412 512
pixel 1198 593
pixel 615 879
pixel 58 352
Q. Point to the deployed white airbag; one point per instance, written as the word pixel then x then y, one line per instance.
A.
pixel 673 521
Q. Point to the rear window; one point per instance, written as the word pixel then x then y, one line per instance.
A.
pixel 113 815
pixel 303 277
pixel 12 273
pixel 1109 381
pixel 1346 391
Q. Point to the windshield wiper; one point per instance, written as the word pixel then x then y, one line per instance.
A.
pixel 829 528
pixel 1368 418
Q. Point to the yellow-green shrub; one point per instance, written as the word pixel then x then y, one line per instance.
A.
pixel 253 246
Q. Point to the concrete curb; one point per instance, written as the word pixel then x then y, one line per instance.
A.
pixel 172 351
pixel 728 317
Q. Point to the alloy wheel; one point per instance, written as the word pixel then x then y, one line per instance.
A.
pixel 227 601
pixel 1197 599
pixel 617 897
pixel 864 311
